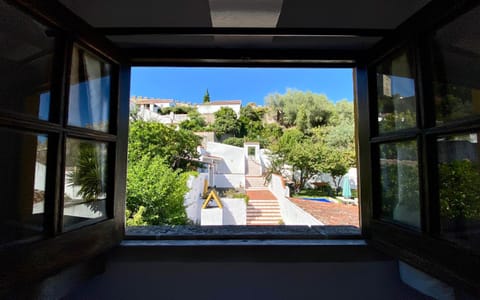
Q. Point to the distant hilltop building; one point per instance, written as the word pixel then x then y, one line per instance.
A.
pixel 151 104
pixel 149 109
pixel 208 109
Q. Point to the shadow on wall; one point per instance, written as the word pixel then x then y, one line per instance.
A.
pixel 233 181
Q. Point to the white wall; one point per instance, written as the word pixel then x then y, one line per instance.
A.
pixel 234 211
pixel 193 201
pixel 291 213
pixel 172 118
pixel 326 177
pixel 134 273
pixel 229 181
pixel 212 216
pixel 232 157
pixel 212 108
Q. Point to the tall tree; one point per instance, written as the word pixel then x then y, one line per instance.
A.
pixel 226 122
pixel 287 105
pixel 151 139
pixel 206 97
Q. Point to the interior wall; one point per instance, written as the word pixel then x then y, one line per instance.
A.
pixel 129 276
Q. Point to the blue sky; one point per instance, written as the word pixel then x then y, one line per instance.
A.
pixel 247 84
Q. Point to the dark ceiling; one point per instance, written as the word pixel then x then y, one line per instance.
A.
pixel 287 24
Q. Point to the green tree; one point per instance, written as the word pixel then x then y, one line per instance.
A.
pixel 304 157
pixel 251 122
pixel 152 139
pixel 152 184
pixel 302 120
pixel 206 97
pixel 320 109
pixel 343 113
pixel 226 122
pixel 89 170
pixel 195 122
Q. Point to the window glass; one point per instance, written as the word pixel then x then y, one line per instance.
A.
pixel 459 181
pixel 396 93
pixel 456 69
pixel 85 192
pixel 89 99
pixel 399 182
pixel 23 166
pixel 26 54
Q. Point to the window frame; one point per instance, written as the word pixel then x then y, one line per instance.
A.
pixel 424 249
pixel 34 258
pixel 32 261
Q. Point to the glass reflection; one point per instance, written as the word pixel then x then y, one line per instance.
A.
pixel 89 97
pixel 85 181
pixel 455 49
pixel 459 187
pixel 399 182
pixel 396 94
pixel 26 59
pixel 23 166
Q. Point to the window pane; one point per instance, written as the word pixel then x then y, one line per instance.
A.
pixel 26 54
pixel 89 100
pixel 399 182
pixel 23 165
pixel 456 67
pixel 85 181
pixel 459 180
pixel 396 93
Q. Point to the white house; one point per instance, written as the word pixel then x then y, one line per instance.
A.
pixel 151 104
pixel 214 106
pixel 226 165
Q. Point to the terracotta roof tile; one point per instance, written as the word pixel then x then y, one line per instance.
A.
pixel 150 101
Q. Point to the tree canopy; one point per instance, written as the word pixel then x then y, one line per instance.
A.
pixel 319 137
pixel 226 122
pixel 206 97
pixel 195 122
pixel 314 109
pixel 158 157
pixel 151 139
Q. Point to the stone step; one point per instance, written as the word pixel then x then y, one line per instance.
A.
pixel 263 208
pixel 257 216
pixel 270 221
pixel 254 181
pixel 273 221
pixel 264 202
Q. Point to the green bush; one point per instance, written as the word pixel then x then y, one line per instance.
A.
pixel 399 178
pixel 234 141
pixel 459 190
pixel 152 184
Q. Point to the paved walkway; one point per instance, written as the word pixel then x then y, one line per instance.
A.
pixel 260 195
pixel 330 213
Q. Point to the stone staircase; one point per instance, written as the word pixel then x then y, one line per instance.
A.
pixel 263 208
pixel 255 182
pixel 253 168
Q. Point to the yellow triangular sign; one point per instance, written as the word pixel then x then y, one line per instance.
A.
pixel 215 197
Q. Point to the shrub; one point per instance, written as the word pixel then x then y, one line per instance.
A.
pixel 151 183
